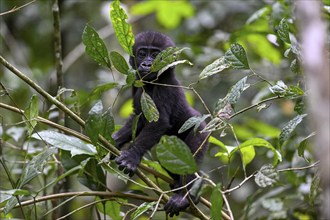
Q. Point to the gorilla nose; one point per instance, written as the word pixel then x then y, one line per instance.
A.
pixel 146 65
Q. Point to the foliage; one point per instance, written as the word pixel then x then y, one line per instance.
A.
pixel 246 141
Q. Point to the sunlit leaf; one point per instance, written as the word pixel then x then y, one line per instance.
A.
pixel 119 62
pixel 266 176
pixel 177 9
pixel 95 47
pixel 31 113
pixel 65 142
pixel 175 155
pixel 149 108
pixel 248 153
pixel 289 128
pixel 236 57
pixel 215 67
pixel 122 29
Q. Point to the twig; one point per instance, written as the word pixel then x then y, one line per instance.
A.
pixel 14 9
pixel 300 168
pixel 255 105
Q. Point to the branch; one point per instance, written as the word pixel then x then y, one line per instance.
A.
pixel 14 9
pixel 88 193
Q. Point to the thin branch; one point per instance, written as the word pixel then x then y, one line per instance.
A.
pixel 88 193
pixel 300 168
pixel 255 105
pixel 14 9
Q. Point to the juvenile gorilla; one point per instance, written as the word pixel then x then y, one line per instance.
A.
pixel 173 112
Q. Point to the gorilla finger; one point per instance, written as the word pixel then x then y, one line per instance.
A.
pixel 121 167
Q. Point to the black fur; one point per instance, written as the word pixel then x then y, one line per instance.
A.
pixel 173 112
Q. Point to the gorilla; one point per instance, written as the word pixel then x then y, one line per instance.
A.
pixel 173 109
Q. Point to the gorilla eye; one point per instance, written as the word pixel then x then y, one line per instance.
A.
pixel 142 54
pixel 154 54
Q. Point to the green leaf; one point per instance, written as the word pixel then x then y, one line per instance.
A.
pixel 35 166
pixel 99 90
pixel 92 175
pixel 175 155
pixel 177 9
pixel 258 142
pixel 193 121
pixel 95 47
pixel 303 145
pixel 119 62
pixel 99 124
pixel 11 203
pixel 213 140
pixel 31 113
pixel 261 13
pixel 149 108
pixel 248 154
pixel 283 31
pixel 134 125
pixel 142 209
pixel 122 29
pixel 236 91
pixel 5 195
pixel 289 128
pixel 107 126
pixel 266 176
pixel 65 142
pixel 315 189
pixel 236 57
pixel 295 67
pixel 216 67
pixel 216 203
pixel 293 92
pixel 131 77
pixel 92 122
pixel 111 208
pixel 172 65
pixel 165 58
pixel 156 166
